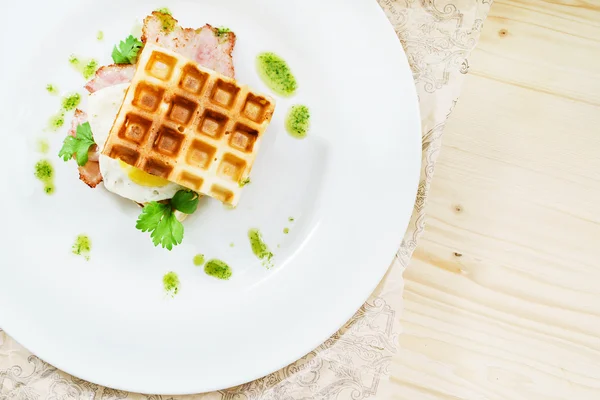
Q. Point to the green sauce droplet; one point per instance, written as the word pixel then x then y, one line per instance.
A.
pixel 86 67
pixel 45 173
pixel 100 35
pixel 222 31
pixel 56 121
pixel 276 74
pixel 43 146
pixel 199 260
pixel 171 283
pixel 51 89
pixel 286 230
pixel 297 121
pixel 167 22
pixel 82 247
pixel 218 269
pixel 70 102
pixel 231 244
pixel 244 182
pixel 260 248
pixel 291 219
pixel 164 10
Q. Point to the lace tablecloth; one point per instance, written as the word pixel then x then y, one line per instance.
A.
pixel 437 36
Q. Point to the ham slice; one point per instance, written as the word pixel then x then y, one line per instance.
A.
pixel 111 75
pixel 90 172
pixel 208 46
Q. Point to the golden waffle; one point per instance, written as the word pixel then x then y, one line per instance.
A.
pixel 189 124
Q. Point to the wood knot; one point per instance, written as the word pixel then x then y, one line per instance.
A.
pixel 458 208
pixel 502 32
pixel 456 254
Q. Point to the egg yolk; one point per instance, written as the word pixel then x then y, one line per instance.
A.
pixel 142 178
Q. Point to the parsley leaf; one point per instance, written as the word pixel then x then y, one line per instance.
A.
pixel 185 201
pixel 79 145
pixel 151 215
pixel 168 232
pixel 160 220
pixel 127 51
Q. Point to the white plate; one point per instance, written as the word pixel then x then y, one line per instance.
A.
pixel 350 186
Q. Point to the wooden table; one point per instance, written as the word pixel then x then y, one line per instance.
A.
pixel 502 298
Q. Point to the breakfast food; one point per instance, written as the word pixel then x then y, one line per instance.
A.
pixel 167 123
pixel 189 125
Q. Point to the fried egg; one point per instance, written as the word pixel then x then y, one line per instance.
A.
pixel 119 177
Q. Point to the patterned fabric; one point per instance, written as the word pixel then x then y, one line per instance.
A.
pixel 353 364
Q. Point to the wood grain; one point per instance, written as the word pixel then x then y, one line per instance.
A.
pixel 502 297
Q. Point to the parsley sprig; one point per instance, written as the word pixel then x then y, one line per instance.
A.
pixel 127 51
pixel 78 145
pixel 159 219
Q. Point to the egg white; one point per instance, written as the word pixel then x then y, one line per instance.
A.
pixel 103 107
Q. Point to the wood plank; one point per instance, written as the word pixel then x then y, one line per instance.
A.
pixel 502 297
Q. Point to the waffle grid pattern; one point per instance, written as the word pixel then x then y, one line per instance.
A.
pixel 189 124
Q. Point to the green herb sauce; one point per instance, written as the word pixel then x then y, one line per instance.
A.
pixel 100 35
pixel 297 121
pixel 86 67
pixel 218 269
pixel 82 247
pixel 260 248
pixel 43 146
pixel 276 74
pixel 231 244
pixel 69 103
pixel 167 22
pixel 171 283
pixel 45 173
pixel 199 260
pixel 244 182
pixel 291 219
pixel 286 230
pixel 56 121
pixel 50 88
pixel 222 31
pixel 164 10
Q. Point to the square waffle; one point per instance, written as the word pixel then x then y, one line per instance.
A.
pixel 189 125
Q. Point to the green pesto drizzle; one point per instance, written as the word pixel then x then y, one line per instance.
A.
pixel 70 102
pixel 222 31
pixel 218 269
pixel 276 74
pixel 171 283
pixel 164 10
pixel 260 248
pixel 50 88
pixel 100 35
pixel 297 121
pixel 56 121
pixel 167 22
pixel 286 230
pixel 82 247
pixel 244 182
pixel 44 172
pixel 87 67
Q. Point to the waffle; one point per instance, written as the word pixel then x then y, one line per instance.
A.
pixel 189 124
